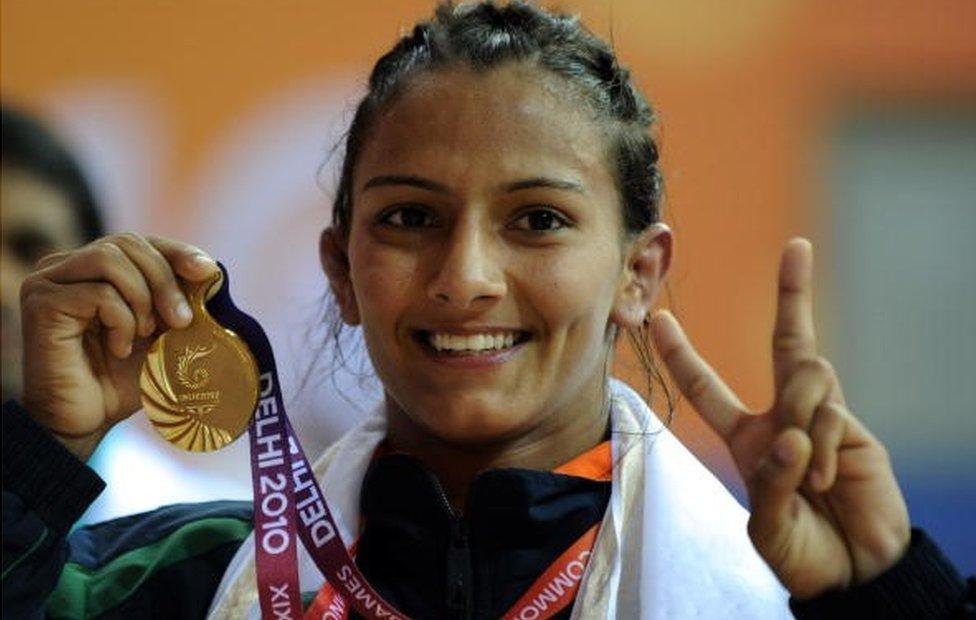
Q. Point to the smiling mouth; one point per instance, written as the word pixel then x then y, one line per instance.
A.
pixel 471 344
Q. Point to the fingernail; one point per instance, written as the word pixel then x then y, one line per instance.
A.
pixel 202 260
pixel 183 312
pixel 783 452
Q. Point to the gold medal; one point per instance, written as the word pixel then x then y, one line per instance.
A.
pixel 200 384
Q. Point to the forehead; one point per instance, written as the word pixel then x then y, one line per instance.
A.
pixel 513 120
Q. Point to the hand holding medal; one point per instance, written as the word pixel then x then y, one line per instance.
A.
pixel 89 316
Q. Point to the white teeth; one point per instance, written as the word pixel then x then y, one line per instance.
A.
pixel 477 342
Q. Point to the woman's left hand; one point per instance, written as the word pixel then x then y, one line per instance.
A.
pixel 827 512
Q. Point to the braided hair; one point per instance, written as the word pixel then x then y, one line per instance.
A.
pixel 484 36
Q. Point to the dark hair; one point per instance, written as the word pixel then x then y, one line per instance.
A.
pixel 484 36
pixel 30 146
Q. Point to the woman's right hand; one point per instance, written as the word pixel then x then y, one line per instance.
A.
pixel 89 316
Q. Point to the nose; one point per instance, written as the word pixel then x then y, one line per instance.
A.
pixel 467 271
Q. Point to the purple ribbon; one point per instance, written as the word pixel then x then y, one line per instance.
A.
pixel 287 497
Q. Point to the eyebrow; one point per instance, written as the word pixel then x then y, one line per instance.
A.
pixel 406 179
pixel 433 186
pixel 545 182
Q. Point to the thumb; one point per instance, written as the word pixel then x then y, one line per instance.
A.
pixel 773 489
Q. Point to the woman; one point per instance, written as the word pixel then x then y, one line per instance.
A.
pixel 496 228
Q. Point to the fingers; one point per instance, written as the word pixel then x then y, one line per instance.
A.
pixel 809 396
pixel 143 270
pixel 126 281
pixel 85 302
pixel 809 401
pixel 107 262
pixel 187 261
pixel 701 385
pixel 793 335
pixel 113 313
pixel 826 433
pixel 773 486
pixel 157 272
pixel 808 386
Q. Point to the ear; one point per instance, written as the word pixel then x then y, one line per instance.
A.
pixel 335 263
pixel 646 265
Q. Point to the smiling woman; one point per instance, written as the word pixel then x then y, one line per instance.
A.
pixel 496 226
pixel 522 235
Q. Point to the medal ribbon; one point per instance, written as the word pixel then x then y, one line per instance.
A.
pixel 287 498
pixel 289 505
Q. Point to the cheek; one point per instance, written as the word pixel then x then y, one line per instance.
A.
pixel 383 281
pixel 575 293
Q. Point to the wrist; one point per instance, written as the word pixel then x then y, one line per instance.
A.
pixel 40 470
pixel 888 550
pixel 81 447
pixel 80 444
pixel 921 584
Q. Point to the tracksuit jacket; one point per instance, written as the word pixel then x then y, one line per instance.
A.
pixel 415 551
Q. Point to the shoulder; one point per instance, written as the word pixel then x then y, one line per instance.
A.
pixel 221 521
pixel 169 558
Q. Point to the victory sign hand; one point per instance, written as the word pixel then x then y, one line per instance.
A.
pixel 827 512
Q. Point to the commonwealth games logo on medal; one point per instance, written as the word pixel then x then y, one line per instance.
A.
pixel 196 377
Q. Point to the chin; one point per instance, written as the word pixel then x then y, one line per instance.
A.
pixel 472 421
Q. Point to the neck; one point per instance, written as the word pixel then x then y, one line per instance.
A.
pixel 557 439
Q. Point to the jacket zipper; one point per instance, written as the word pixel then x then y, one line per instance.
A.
pixel 459 587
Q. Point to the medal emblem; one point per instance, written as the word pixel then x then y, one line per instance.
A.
pixel 200 384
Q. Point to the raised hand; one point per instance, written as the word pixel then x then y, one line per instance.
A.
pixel 88 318
pixel 826 509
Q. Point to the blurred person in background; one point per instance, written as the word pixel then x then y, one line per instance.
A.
pixel 47 206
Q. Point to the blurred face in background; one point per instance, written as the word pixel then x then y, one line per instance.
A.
pixel 37 219
pixel 486 253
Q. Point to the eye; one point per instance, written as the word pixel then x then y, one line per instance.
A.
pixel 407 216
pixel 29 245
pixel 540 220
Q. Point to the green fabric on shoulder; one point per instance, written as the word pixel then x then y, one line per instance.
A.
pixel 86 593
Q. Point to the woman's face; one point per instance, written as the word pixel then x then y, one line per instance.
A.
pixel 486 254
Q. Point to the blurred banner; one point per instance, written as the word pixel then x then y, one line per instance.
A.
pixel 850 122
